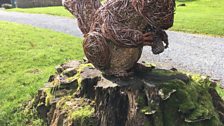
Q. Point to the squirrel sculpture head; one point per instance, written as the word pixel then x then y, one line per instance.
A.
pixel 159 13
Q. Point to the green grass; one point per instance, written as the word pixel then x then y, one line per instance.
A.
pixel 198 16
pixel 56 10
pixel 28 56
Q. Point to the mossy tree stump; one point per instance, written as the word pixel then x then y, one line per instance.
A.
pixel 79 95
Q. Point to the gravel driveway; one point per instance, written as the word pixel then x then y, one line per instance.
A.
pixel 194 53
pixel 56 23
pixel 187 52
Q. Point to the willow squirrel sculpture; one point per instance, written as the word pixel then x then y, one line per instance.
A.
pixel 115 32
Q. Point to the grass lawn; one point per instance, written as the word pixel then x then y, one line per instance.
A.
pixel 56 10
pixel 28 56
pixel 198 16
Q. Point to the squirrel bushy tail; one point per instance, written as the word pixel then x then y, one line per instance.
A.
pixel 83 10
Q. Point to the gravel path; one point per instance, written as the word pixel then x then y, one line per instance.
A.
pixel 194 53
pixel 56 23
pixel 187 52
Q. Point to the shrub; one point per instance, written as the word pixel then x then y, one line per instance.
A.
pixel 7 6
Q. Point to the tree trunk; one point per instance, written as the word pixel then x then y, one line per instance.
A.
pixel 79 95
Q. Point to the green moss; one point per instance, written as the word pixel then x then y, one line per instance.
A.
pixel 220 91
pixel 158 117
pixel 203 81
pixel 83 113
pixel 192 101
pixel 50 92
pixel 181 103
pixel 83 116
pixel 49 96
pixel 79 111
pixel 147 123
pixel 160 72
pixel 79 71
pixel 62 103
pixel 141 101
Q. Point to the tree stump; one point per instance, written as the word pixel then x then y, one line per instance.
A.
pixel 79 95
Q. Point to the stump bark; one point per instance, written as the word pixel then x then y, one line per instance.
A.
pixel 79 95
